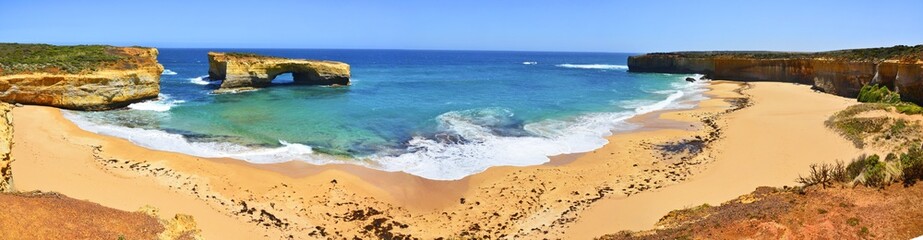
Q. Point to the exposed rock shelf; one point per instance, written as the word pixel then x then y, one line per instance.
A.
pixel 78 77
pixel 841 72
pixel 240 71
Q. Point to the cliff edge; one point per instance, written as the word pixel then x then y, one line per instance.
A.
pixel 842 72
pixel 244 71
pixel 6 146
pixel 85 77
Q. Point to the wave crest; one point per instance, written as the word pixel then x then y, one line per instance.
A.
pixel 594 66
pixel 168 72
pixel 200 80
pixel 164 141
pixel 163 103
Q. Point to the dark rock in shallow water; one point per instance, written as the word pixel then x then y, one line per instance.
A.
pixel 703 78
pixel 689 79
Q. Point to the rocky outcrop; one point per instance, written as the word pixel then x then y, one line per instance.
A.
pixel 841 77
pixel 131 76
pixel 240 71
pixel 6 145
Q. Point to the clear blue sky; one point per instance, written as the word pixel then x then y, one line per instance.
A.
pixel 608 26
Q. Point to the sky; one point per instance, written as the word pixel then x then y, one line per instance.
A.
pixel 537 25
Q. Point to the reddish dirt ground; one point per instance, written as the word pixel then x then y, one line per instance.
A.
pixel 54 216
pixel 839 212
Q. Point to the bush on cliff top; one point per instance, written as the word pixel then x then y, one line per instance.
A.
pixel 25 58
pixel 244 54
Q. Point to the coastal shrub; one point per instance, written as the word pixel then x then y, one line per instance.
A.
pixel 874 175
pixel 878 94
pixel 881 94
pixel 908 108
pixel 21 58
pixel 825 175
pixel 912 164
pixel 858 165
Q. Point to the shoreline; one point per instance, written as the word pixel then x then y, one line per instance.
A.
pixel 55 155
pixel 683 95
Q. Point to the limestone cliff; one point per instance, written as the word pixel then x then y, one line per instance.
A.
pixel 841 73
pixel 240 71
pixel 6 144
pixel 78 77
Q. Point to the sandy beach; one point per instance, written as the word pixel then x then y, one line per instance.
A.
pixel 727 147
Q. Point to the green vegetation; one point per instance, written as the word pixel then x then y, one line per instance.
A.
pixel 243 54
pixel 25 58
pixel 877 127
pixel 899 52
pixel 881 94
pixel 871 171
pixel 878 94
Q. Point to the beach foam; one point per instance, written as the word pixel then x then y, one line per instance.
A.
pixel 200 80
pixel 168 72
pixel 163 103
pixel 594 66
pixel 160 140
pixel 478 138
pixel 483 147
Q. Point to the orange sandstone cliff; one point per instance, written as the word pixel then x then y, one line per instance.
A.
pixel 841 72
pixel 88 77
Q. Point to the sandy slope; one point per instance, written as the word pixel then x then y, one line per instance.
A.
pixel 232 199
pixel 767 144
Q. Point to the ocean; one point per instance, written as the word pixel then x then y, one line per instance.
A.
pixel 436 114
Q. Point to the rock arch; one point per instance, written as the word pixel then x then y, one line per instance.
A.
pixel 241 71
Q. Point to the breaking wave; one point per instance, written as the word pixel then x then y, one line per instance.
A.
pixel 168 72
pixel 594 66
pixel 164 141
pixel 163 103
pixel 467 141
pixel 481 138
pixel 200 80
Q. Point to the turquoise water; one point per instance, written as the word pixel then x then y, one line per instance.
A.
pixel 437 114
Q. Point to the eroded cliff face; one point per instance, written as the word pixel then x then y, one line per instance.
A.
pixel 135 77
pixel 6 145
pixel 839 77
pixel 247 71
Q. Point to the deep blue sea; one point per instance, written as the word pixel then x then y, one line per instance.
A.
pixel 436 114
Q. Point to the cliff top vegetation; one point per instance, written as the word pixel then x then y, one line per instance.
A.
pixel 247 55
pixel 899 52
pixel 26 58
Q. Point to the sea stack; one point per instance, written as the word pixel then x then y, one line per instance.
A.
pixel 246 71
pixel 85 77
